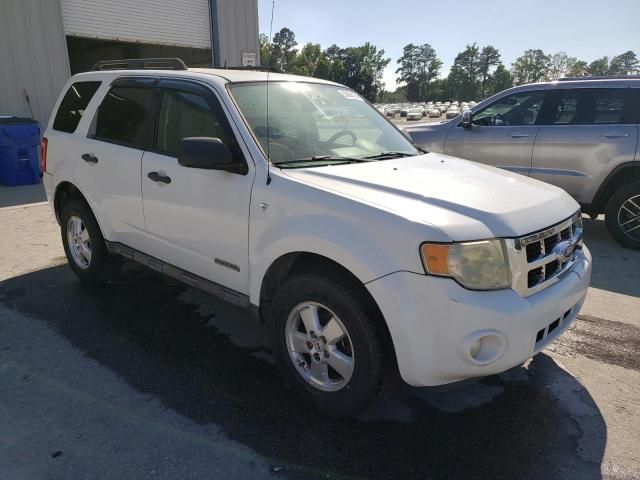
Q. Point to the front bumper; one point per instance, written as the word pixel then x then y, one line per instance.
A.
pixel 435 323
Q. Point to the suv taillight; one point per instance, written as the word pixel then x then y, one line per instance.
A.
pixel 43 153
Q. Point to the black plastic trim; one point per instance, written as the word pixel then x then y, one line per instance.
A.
pixel 224 293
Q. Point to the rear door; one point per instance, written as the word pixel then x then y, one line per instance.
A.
pixel 588 132
pixel 501 134
pixel 197 220
pixel 111 158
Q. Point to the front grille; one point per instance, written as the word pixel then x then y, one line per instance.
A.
pixel 541 258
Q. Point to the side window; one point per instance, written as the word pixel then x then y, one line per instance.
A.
pixel 520 108
pixel 593 106
pixel 126 116
pixel 73 105
pixel 186 114
pixel 609 106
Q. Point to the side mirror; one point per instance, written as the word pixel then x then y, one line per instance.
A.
pixel 210 154
pixel 466 119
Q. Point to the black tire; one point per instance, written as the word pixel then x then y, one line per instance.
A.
pixel 375 368
pixel 611 215
pixel 103 266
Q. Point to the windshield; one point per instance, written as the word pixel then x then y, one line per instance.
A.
pixel 311 124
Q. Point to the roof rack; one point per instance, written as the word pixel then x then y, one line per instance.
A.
pixel 603 77
pixel 141 64
pixel 257 68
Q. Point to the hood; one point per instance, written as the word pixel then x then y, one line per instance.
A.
pixel 463 199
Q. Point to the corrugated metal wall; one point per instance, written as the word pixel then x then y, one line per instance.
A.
pixel 33 57
pixel 238 30
pixel 184 23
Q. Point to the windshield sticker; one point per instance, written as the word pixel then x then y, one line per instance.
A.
pixel 349 95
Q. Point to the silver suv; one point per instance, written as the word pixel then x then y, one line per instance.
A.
pixel 577 134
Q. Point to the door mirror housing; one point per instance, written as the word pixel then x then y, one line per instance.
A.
pixel 209 153
pixel 466 119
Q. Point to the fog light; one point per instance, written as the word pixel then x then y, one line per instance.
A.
pixel 483 347
pixel 475 348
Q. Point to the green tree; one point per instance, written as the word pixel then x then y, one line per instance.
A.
pixel 282 49
pixel 428 69
pixel 408 71
pixel 397 96
pixel 439 89
pixel 489 58
pixel 463 77
pixel 580 68
pixel 500 80
pixel 419 67
pixel 599 67
pixel 559 65
pixel 532 66
pixel 335 56
pixel 307 61
pixel 265 49
pixel 363 69
pixel 624 64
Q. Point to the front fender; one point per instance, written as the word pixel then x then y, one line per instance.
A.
pixel 339 239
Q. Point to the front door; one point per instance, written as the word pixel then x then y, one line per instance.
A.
pixel 502 133
pixel 196 219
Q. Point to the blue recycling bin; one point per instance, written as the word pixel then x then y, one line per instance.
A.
pixel 19 151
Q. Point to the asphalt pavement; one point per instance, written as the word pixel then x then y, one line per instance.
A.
pixel 148 378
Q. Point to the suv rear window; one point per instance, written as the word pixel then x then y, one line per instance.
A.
pixel 73 105
pixel 125 116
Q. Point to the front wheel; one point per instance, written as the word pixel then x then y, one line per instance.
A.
pixel 329 343
pixel 622 215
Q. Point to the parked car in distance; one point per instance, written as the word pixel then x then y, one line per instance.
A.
pixel 363 257
pixel 435 112
pixel 452 112
pixel 578 134
pixel 415 114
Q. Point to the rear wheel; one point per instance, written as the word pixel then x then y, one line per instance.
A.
pixel 84 244
pixel 329 344
pixel 622 215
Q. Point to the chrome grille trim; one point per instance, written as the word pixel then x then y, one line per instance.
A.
pixel 519 251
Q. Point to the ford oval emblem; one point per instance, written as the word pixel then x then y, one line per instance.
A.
pixel 564 250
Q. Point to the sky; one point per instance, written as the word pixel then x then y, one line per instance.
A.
pixel 587 29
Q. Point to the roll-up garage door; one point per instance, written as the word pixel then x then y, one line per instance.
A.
pixel 184 23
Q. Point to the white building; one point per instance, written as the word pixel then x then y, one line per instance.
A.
pixel 43 42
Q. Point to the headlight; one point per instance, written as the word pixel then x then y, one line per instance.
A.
pixel 481 265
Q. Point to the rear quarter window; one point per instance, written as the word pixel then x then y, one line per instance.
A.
pixel 73 105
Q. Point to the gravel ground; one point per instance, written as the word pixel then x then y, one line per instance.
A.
pixel 147 378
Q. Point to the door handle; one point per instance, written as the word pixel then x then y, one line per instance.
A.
pixel 156 177
pixel 615 135
pixel 519 135
pixel 90 158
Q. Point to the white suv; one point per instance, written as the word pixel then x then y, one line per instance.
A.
pixel 296 199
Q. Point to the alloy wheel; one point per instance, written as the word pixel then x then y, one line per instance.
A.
pixel 319 346
pixel 79 242
pixel 629 218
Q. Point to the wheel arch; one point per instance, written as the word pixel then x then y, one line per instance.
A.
pixel 290 263
pixel 619 177
pixel 65 191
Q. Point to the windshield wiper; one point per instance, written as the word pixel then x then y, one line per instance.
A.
pixel 385 155
pixel 322 158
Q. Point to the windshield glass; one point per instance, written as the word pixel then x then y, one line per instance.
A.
pixel 315 123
